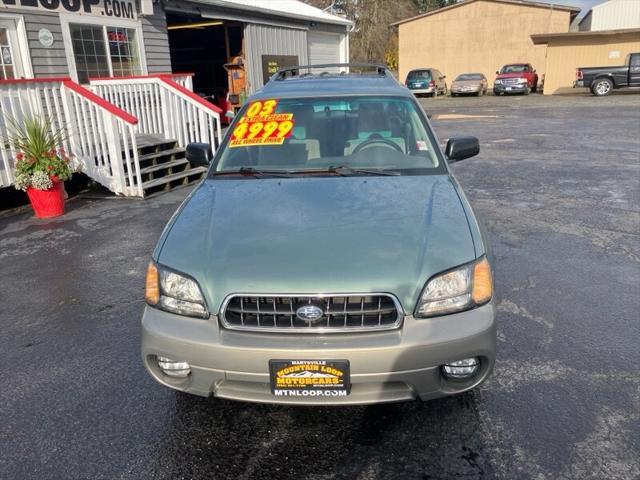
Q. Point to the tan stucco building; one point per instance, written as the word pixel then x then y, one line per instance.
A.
pixel 479 36
pixel 568 51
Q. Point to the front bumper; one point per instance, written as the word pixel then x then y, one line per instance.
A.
pixel 462 91
pixel 578 84
pixel 512 88
pixel 388 366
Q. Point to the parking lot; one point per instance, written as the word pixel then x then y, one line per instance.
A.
pixel 557 184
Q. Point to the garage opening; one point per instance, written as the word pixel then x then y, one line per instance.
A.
pixel 212 50
pixel 325 48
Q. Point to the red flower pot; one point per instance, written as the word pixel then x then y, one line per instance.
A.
pixel 48 203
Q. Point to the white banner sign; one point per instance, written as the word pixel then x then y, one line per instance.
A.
pixel 106 8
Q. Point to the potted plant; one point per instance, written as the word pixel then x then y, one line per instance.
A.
pixel 42 165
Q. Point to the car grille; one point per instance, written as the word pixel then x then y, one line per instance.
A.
pixel 510 81
pixel 340 313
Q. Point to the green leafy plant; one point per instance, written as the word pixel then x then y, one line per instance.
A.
pixel 40 159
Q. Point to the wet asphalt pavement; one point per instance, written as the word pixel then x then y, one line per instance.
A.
pixel 557 184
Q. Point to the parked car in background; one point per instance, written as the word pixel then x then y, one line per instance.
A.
pixel 603 80
pixel 426 81
pixel 516 78
pixel 469 83
pixel 328 257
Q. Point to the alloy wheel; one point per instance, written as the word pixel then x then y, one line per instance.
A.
pixel 603 87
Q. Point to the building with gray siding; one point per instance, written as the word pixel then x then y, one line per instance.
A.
pixel 85 39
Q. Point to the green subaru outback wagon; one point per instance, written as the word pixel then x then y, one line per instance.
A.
pixel 329 256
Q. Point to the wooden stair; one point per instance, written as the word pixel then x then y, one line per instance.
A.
pixel 163 165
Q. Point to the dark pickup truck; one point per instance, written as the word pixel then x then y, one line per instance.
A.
pixel 603 80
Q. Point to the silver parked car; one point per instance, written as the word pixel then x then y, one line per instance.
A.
pixel 329 257
pixel 469 84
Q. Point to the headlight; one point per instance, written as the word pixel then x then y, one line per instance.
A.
pixel 174 292
pixel 461 289
pixel 497 82
pixel 522 80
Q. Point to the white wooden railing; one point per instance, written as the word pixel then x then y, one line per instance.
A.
pixel 183 79
pixel 165 106
pixel 101 138
pixel 104 137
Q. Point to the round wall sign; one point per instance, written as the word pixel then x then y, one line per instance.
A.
pixel 46 37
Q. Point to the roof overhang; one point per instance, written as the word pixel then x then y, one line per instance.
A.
pixel 294 10
pixel 574 11
pixel 545 38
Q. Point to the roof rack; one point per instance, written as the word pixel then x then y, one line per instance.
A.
pixel 361 69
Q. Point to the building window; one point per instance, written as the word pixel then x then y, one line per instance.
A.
pixel 104 51
pixel 6 56
pixel 123 49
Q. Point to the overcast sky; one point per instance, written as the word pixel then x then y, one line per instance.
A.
pixel 585 5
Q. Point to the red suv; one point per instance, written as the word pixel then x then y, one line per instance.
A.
pixel 516 78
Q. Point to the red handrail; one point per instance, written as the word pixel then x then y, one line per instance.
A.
pixel 92 97
pixel 190 94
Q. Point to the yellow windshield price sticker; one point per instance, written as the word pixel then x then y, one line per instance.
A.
pixel 262 126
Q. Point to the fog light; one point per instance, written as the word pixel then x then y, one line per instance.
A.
pixel 173 368
pixel 461 369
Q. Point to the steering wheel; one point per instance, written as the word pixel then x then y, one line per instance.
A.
pixel 381 141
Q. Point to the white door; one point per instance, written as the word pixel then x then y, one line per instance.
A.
pixel 324 48
pixel 12 65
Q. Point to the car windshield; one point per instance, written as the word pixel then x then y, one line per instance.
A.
pixel 514 69
pixel 378 134
pixel 469 76
pixel 419 75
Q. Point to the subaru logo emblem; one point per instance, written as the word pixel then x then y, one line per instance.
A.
pixel 309 313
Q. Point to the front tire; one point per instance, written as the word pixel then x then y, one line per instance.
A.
pixel 534 89
pixel 602 87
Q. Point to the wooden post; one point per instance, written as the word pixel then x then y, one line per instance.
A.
pixel 226 43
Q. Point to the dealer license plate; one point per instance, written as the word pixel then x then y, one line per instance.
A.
pixel 309 378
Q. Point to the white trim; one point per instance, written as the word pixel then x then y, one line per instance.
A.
pixel 344 48
pixel 294 10
pixel 23 43
pixel 67 18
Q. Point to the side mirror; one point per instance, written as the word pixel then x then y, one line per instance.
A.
pixel 199 154
pixel 534 70
pixel 459 148
pixel 443 77
pixel 497 72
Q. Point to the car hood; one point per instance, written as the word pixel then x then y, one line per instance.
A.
pixel 512 75
pixel 318 235
pixel 467 83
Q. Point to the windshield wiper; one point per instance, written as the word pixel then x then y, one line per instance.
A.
pixel 254 172
pixel 344 170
